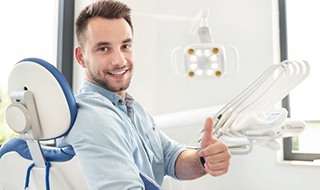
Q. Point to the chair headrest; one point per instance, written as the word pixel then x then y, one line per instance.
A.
pixel 54 99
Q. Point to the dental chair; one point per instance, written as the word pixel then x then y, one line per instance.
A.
pixel 42 109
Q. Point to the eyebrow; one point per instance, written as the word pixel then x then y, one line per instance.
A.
pixel 101 44
pixel 128 40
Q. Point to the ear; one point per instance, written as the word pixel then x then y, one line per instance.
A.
pixel 79 57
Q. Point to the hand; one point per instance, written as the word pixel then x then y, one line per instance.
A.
pixel 214 152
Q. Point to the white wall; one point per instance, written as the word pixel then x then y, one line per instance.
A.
pixel 252 26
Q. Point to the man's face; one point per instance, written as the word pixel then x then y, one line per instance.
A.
pixel 107 54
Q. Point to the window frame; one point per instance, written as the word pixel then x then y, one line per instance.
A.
pixel 288 153
pixel 65 45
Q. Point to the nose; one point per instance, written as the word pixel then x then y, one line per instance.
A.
pixel 118 58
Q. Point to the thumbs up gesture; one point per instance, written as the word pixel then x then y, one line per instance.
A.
pixel 215 154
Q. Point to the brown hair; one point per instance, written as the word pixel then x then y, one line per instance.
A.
pixel 110 9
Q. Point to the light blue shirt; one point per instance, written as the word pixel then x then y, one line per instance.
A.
pixel 115 139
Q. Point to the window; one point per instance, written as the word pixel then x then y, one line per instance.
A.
pixel 34 28
pixel 29 31
pixel 300 29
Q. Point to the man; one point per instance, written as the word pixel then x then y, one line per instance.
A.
pixel 113 136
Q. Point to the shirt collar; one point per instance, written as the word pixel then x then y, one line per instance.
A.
pixel 113 97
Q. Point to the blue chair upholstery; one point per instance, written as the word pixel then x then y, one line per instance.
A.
pixel 50 153
pixel 61 169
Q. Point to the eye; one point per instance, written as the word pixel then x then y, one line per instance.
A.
pixel 127 46
pixel 103 48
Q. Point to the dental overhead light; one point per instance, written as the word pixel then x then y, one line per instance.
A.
pixel 206 59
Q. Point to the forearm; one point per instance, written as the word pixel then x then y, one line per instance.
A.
pixel 188 165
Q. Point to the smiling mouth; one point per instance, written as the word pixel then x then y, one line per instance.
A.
pixel 118 73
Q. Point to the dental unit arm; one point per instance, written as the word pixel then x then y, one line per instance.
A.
pixel 251 117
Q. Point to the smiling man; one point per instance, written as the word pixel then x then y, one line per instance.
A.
pixel 113 136
pixel 107 54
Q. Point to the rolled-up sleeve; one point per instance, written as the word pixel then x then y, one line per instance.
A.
pixel 171 151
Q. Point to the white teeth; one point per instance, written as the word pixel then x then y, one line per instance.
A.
pixel 119 73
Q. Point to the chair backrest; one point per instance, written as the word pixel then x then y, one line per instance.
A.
pixel 42 108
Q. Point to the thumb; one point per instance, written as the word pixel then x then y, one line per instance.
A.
pixel 207 138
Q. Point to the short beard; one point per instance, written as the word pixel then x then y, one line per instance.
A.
pixel 106 85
